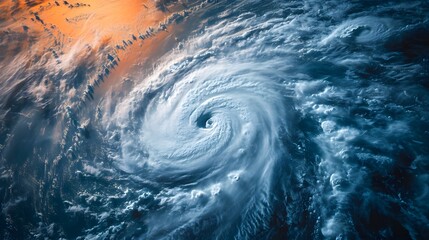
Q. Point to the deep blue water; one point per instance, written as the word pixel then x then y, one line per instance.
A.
pixel 268 120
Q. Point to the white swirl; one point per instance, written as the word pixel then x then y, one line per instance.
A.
pixel 361 30
pixel 207 128
pixel 211 119
pixel 203 131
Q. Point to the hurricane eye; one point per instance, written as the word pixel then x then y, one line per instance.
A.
pixel 204 120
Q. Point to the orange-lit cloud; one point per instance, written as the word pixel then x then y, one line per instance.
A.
pixel 85 45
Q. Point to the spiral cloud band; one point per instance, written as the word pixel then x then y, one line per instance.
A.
pixel 211 131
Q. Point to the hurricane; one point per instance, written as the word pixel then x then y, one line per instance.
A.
pixel 214 120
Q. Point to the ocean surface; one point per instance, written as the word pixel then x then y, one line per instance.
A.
pixel 258 120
